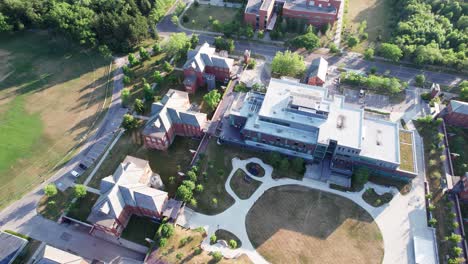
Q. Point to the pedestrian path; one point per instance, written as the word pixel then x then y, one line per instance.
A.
pixel 392 219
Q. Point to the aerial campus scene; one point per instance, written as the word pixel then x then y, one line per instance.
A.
pixel 234 131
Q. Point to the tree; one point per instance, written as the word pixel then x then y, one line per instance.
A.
pixel 213 239
pixel 192 175
pixel 193 202
pixel 133 60
pixel 454 238
pixel 162 242
pixel 144 55
pixel 50 190
pixel 456 261
pixel 79 191
pixel 352 41
pixel 232 244
pixel 157 77
pixel 126 80
pixel 360 176
pixel 194 41
pixel 390 51
pixel 369 54
pixel 261 34
pixel 249 32
pixel 139 106
pixel 212 99
pixel 298 165
pixel 199 188
pixel 177 45
pixel 464 91
pixel 104 51
pixel 157 49
pixel 129 122
pixel 125 96
pixel 288 64
pixel 189 184
pixel 420 79
pixel 456 251
pixel 333 48
pixel 167 230
pixel 432 222
pixel 308 41
pixel 224 44
pixel 4 26
pixel 184 193
pixel 167 67
pixel 175 20
pixel 217 256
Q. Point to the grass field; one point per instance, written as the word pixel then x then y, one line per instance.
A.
pixel 53 207
pixel 201 16
pixel 187 253
pixel 139 228
pixel 378 16
pixel 325 229
pixel 50 94
pixel 242 188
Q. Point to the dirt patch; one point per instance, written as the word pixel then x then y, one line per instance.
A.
pixel 301 225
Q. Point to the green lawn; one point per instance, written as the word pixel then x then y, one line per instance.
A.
pixel 81 209
pixel 203 16
pixel 241 187
pixel 53 207
pixel 51 92
pixel 139 228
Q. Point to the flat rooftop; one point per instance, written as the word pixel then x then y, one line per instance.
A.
pixel 10 247
pixel 380 140
pixel 301 5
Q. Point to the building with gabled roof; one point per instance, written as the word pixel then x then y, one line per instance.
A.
pixel 204 66
pixel 172 116
pixel 318 72
pixel 133 189
pixel 456 114
pixel 301 120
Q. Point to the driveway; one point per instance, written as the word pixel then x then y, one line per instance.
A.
pixel 396 220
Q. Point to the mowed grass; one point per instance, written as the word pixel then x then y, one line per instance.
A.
pixel 294 224
pixel 378 15
pixel 50 94
pixel 244 189
pixel 199 17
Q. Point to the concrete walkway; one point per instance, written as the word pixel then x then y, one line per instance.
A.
pixel 395 219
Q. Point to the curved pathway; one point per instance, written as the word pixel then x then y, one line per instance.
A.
pixel 393 219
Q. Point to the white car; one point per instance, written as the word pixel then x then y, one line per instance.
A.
pixel 74 173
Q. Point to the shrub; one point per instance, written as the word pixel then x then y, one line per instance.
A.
pixel 369 54
pixel 352 41
pixel 197 251
pixel 79 191
pixel 193 202
pixel 167 67
pixel 455 225
pixel 435 175
pixel 251 64
pixel 432 162
pixel 420 79
pixel 196 4
pixel 432 222
pixel 50 190
pixel 333 48
pixel 232 243
pixel 185 240
pixel 157 49
pixel 217 256
pixel 261 34
pixel 162 242
pixel 213 239
pixel 456 251
pixel 443 157
pixel 455 238
pixel 167 230
pixel 127 80
pixel 431 207
pixel 426 96
pixel 185 18
pixel 241 88
pixel 179 256
pixel 214 202
pixel 199 188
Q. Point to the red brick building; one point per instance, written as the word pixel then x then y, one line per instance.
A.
pixel 204 67
pixel 173 116
pixel 456 114
pixel 132 189
pixel 318 72
pixel 262 14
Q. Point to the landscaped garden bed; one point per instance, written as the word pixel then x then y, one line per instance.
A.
pixel 375 199
pixel 255 169
pixel 227 236
pixel 406 151
pixel 290 224
pixel 184 247
pixel 82 207
pixel 243 185
pixel 139 228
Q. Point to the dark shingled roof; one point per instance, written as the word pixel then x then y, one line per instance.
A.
pixel 10 247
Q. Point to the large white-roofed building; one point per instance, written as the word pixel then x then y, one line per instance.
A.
pixel 301 120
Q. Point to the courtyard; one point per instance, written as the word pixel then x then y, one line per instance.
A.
pixel 327 228
pixel 203 16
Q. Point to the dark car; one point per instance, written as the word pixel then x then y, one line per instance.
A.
pixel 82 166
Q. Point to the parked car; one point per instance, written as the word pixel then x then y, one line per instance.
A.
pixel 362 93
pixel 74 173
pixel 82 166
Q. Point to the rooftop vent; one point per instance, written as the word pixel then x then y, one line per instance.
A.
pixel 340 120
pixel 378 138
pixel 279 130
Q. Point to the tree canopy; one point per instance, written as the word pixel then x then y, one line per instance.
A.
pixel 288 64
pixel 390 51
pixel 212 99
pixel 177 45
pixel 308 41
